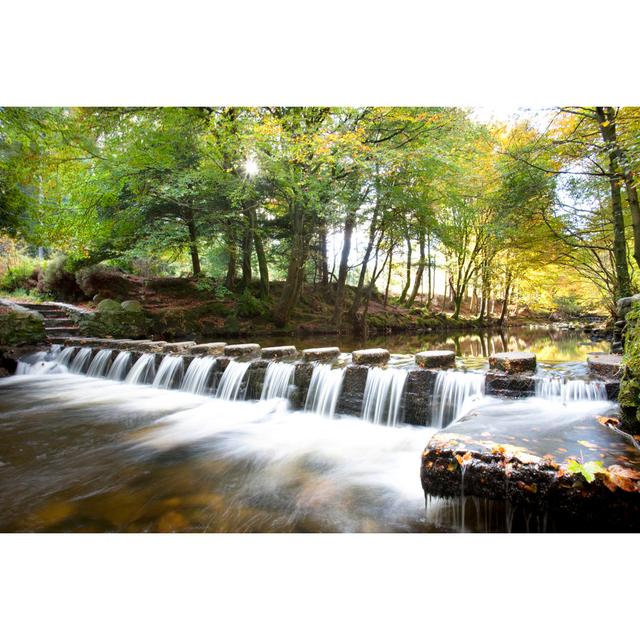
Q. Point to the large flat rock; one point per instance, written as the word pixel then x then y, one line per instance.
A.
pixel 513 361
pixel 246 350
pixel 436 359
pixel 208 348
pixel 371 357
pixel 605 365
pixel 321 354
pixel 278 353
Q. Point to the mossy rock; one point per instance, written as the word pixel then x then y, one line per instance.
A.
pixel 21 328
pixel 120 324
pixel 132 305
pixel 109 306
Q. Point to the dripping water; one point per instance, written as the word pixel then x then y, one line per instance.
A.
pixel 81 360
pixel 324 390
pixel 383 395
pixel 100 362
pixel 143 370
pixel 120 366
pixel 231 381
pixel 454 394
pixel 566 390
pixel 169 372
pixel 278 380
pixel 197 377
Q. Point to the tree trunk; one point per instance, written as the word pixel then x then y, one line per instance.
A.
pixel 607 121
pixel 429 274
pixel 247 249
pixel 193 243
pixel 295 271
pixel 324 264
pixel 343 271
pixel 260 254
pixel 386 291
pixel 407 284
pixel 619 239
pixel 419 272
pixel 232 253
pixel 505 304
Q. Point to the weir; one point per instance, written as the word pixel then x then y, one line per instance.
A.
pixel 430 393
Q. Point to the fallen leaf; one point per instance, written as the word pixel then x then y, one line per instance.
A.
pixel 608 421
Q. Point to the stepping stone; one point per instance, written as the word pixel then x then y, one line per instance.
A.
pixel 322 354
pixel 178 347
pixel 513 361
pixel 209 349
pixel 605 365
pixel 275 353
pixel 436 359
pixel 250 349
pixel 374 357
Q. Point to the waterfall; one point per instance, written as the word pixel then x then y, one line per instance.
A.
pixel 277 380
pixel 143 370
pixel 120 366
pixel 100 363
pixel 453 396
pixel 231 380
pixel 169 372
pixel 383 395
pixel 196 379
pixel 324 390
pixel 557 388
pixel 81 360
pixel 64 357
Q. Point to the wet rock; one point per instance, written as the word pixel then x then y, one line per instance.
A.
pixel 132 305
pixel 418 396
pixel 513 361
pixel 278 353
pixel 509 385
pixel 352 392
pixel 254 379
pixel 301 380
pixel 624 305
pixel 612 388
pixel 372 357
pixel 209 348
pixel 605 365
pixel 436 359
pixel 178 347
pixel 249 350
pixel 321 354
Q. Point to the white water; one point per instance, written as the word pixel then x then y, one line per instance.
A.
pixel 170 369
pixel 278 380
pixel 196 379
pixel 120 366
pixel 564 390
pixel 79 363
pixel 383 395
pixel 455 393
pixel 231 380
pixel 100 362
pixel 143 370
pixel 324 390
pixel 64 357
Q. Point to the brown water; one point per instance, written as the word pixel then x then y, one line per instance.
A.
pixel 89 454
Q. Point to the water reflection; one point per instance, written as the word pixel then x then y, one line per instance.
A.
pixel 551 345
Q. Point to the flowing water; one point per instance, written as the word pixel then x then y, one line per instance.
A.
pixel 324 390
pixel 167 451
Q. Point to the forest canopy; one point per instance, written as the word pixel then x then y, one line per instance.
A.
pixel 428 206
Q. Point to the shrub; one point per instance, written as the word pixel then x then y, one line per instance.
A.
pixel 569 305
pixel 249 306
pixel 60 280
pixel 23 276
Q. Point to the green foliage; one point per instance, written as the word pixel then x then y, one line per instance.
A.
pixel 569 305
pixel 23 276
pixel 248 306
pixel 60 280
pixel 587 470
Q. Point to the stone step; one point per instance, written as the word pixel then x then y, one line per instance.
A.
pixel 67 329
pixel 605 365
pixel 56 322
